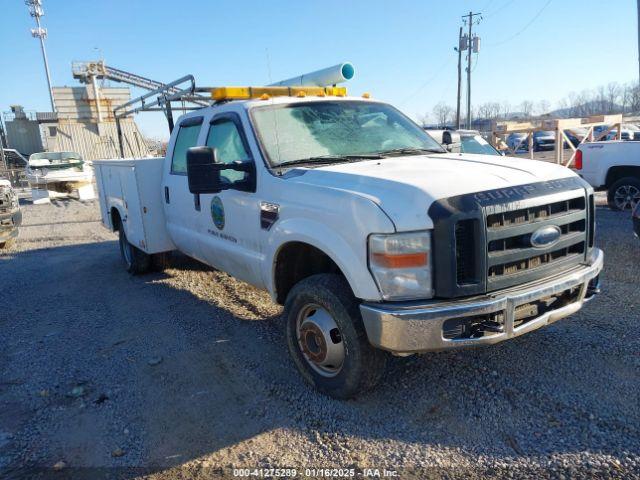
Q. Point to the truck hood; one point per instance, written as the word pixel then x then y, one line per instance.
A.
pixel 405 187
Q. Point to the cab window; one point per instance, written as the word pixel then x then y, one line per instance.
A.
pixel 225 137
pixel 187 138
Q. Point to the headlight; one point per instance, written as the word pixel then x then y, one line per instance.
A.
pixel 401 265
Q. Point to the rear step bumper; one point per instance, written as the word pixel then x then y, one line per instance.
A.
pixel 405 328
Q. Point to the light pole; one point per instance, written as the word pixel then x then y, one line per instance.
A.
pixel 35 10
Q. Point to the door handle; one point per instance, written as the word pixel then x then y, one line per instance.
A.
pixel 166 195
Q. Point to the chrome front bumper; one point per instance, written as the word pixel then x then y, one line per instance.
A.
pixel 412 328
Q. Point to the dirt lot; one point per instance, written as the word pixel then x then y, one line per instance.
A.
pixel 185 374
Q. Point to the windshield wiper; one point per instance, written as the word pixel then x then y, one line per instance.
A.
pixel 331 159
pixel 410 151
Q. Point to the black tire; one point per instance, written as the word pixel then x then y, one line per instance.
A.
pixel 363 365
pixel 621 190
pixel 135 260
pixel 161 261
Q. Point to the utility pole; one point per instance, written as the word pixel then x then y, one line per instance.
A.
pixel 459 50
pixel 638 26
pixel 35 10
pixel 472 46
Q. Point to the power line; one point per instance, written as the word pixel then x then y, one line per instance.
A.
pixel 487 5
pixel 428 81
pixel 502 7
pixel 535 17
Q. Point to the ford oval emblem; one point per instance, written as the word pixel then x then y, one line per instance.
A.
pixel 545 236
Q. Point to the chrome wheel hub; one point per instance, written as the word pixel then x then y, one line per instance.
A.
pixel 626 196
pixel 320 340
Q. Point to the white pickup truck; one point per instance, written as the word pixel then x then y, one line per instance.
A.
pixel 614 166
pixel 372 236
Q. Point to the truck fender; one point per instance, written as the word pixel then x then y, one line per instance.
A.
pixel 353 265
pixel 121 212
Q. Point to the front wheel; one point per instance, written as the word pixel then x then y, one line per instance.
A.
pixel 624 193
pixel 135 260
pixel 327 339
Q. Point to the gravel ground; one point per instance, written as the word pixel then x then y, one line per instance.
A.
pixel 185 374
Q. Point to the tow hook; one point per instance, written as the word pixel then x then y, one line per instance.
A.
pixel 493 327
pixel 480 329
pixel 593 288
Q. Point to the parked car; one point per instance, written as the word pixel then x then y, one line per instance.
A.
pixel 10 214
pixel 575 136
pixel 599 130
pixel 463 141
pixel 519 141
pixel 636 220
pixel 614 166
pixel 628 132
pixel 472 142
pixel 371 235
pixel 544 140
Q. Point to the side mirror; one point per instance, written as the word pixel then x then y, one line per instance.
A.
pixel 449 137
pixel 203 170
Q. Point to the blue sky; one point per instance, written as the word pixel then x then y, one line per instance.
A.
pixel 402 49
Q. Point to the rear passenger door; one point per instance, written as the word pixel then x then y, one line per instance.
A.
pixel 180 212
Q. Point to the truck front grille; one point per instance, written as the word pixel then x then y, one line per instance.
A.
pixel 483 241
pixel 510 252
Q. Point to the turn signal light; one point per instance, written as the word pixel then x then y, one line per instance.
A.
pixel 400 260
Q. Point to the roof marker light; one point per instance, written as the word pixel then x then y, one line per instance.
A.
pixel 245 93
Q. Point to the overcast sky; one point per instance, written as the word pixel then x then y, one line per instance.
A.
pixel 402 50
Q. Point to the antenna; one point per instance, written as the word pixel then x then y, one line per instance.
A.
pixel 36 11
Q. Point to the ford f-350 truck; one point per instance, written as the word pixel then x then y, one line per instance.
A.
pixel 371 235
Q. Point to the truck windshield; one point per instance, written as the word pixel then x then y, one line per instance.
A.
pixel 337 131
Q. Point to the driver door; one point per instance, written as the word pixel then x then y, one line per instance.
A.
pixel 229 222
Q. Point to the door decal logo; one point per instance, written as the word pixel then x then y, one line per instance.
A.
pixel 217 212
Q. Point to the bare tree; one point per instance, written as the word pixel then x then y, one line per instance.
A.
pixel 443 113
pixel 489 110
pixel 504 110
pixel 634 97
pixel 542 107
pixel 423 119
pixel 526 108
pixel 613 97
